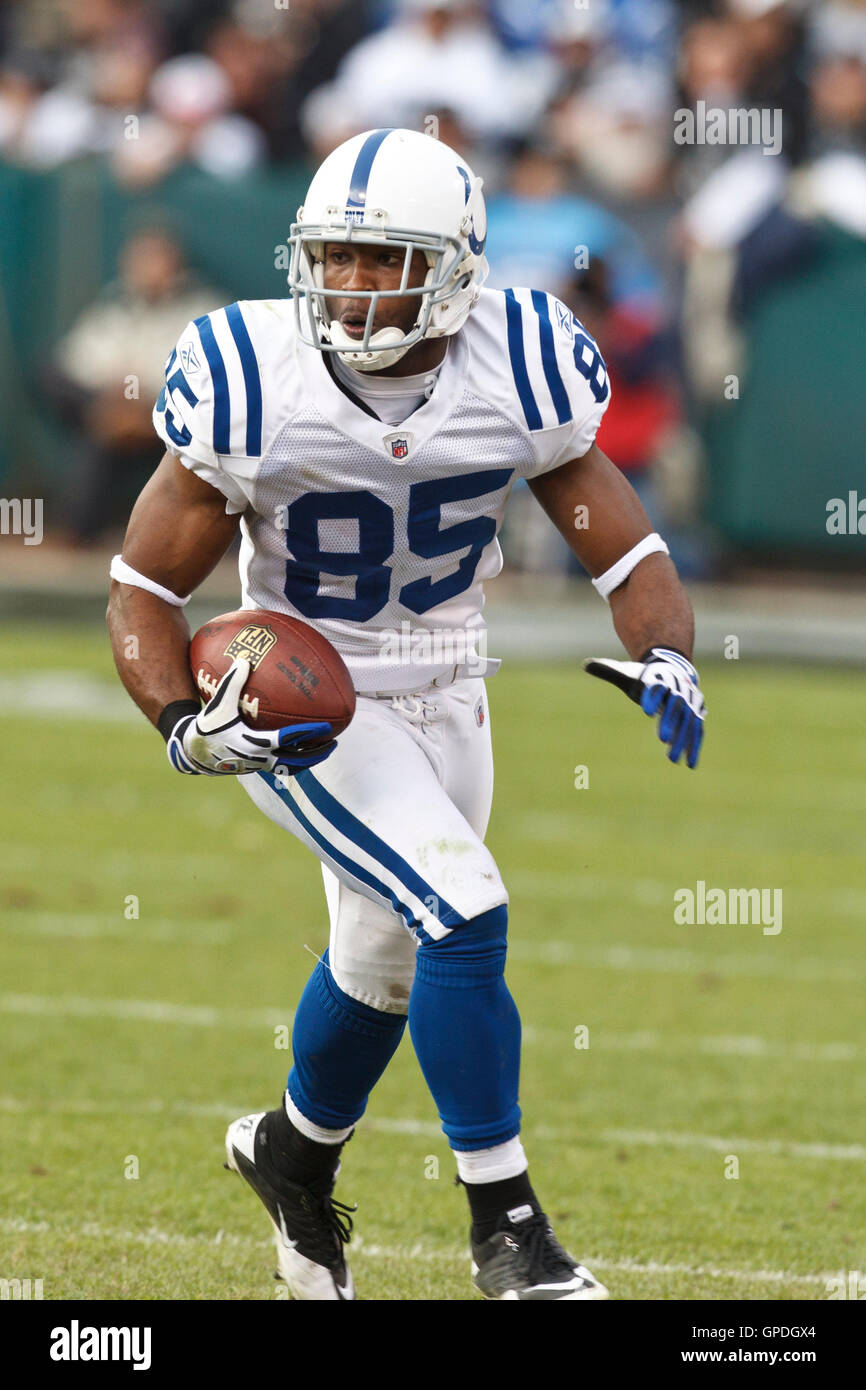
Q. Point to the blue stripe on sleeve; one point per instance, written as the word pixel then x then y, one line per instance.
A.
pixel 221 405
pixel 363 164
pixel 252 380
pixel 514 320
pixel 552 374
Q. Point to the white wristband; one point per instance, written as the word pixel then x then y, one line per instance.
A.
pixel 612 578
pixel 125 574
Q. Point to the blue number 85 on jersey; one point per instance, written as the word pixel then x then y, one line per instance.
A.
pixel 426 537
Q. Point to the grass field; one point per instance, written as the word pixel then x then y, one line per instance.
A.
pixel 138 1038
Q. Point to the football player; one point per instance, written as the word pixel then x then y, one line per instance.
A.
pixel 364 433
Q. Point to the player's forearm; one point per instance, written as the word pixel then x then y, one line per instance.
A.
pixel 651 609
pixel 150 642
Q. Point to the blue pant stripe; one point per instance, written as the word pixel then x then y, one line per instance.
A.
pixel 362 836
pixel 356 870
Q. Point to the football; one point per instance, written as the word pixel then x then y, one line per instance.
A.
pixel 296 675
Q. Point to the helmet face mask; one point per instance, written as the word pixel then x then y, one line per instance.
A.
pixel 416 174
pixel 306 280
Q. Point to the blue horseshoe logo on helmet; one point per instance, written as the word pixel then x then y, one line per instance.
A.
pixel 476 246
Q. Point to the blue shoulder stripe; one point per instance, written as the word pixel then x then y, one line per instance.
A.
pixel 363 164
pixel 252 380
pixel 552 374
pixel 514 320
pixel 221 407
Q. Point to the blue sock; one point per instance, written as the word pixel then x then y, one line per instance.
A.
pixel 466 1032
pixel 340 1049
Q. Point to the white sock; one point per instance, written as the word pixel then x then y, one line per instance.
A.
pixel 311 1130
pixel 492 1165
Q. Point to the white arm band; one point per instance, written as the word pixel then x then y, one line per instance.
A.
pixel 612 578
pixel 125 574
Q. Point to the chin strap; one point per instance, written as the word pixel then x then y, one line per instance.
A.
pixel 387 343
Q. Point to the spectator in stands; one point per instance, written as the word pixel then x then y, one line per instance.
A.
pixel 713 67
pixel 539 231
pixel 838 84
pixel 107 372
pixel 191 122
pixel 43 124
pixel 773 37
pixel 274 58
pixel 638 352
pixel 437 53
pixel 831 186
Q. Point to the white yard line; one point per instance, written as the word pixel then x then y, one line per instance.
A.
pixel 90 926
pixel 681 960
pixel 573 885
pixel 142 1010
pixel 66 694
pixel 785 1148
pixel 154 1237
pixel 206 1016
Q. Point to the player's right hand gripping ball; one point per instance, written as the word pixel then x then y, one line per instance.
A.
pixel 663 683
pixel 218 742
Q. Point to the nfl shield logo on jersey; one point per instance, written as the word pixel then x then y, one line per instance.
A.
pixel 399 444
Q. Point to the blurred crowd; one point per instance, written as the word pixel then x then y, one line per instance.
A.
pixel 656 230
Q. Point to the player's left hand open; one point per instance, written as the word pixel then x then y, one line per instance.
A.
pixel 663 683
pixel 218 742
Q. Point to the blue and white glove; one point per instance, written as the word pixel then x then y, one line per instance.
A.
pixel 663 682
pixel 217 741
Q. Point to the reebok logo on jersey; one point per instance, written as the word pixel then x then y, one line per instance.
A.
pixel 189 361
pixel 565 319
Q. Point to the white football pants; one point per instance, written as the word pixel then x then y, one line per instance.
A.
pixel 397 816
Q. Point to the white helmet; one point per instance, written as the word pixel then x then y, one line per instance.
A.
pixel 391 188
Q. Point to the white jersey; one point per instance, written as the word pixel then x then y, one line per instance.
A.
pixel 380 536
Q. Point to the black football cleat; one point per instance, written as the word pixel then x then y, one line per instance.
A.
pixel 310 1227
pixel 524 1260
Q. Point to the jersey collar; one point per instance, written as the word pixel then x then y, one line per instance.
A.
pixel 351 418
